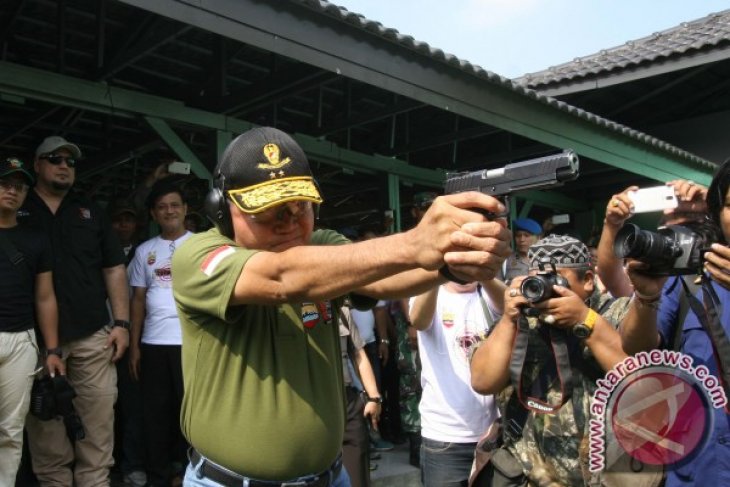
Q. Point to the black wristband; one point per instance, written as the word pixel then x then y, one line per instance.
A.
pixel 378 399
pixel 54 351
pixel 121 323
pixel 444 271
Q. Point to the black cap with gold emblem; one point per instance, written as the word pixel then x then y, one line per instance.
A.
pixel 13 165
pixel 264 167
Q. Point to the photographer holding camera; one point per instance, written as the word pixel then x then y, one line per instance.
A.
pixel 672 313
pixel 564 335
pixel 690 207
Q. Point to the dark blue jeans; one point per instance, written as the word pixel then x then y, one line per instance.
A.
pixel 445 464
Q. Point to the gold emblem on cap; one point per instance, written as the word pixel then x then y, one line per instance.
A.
pixel 14 163
pixel 272 154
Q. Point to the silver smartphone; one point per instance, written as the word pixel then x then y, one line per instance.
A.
pixel 657 198
pixel 178 167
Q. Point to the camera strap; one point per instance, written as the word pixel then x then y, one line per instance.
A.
pixel 485 309
pixel 14 255
pixel 538 400
pixel 706 312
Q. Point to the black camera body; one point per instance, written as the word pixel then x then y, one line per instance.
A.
pixel 539 287
pixel 52 397
pixel 43 399
pixel 670 251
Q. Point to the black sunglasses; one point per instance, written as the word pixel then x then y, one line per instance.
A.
pixel 57 159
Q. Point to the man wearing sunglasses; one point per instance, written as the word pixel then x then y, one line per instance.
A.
pixel 258 298
pixel 88 266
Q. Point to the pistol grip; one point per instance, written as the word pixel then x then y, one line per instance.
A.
pixel 491 216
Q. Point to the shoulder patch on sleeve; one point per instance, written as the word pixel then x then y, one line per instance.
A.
pixel 214 258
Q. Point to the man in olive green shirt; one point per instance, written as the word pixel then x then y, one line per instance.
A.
pixel 258 296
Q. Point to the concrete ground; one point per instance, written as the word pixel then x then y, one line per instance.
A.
pixel 394 470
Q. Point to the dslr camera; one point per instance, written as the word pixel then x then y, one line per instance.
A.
pixel 670 251
pixel 539 287
pixel 51 397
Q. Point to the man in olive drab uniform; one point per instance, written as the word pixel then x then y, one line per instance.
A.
pixel 258 298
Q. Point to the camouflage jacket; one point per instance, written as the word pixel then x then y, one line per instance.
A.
pixel 553 448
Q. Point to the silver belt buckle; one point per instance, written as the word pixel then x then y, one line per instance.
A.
pixel 298 483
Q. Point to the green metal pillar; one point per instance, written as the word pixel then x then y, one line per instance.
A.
pixel 526 207
pixel 512 208
pixel 394 202
pixel 178 146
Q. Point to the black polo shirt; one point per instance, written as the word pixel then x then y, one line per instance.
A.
pixel 83 243
pixel 17 286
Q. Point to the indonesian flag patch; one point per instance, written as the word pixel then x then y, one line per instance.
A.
pixel 214 258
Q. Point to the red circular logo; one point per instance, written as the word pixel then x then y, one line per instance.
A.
pixel 659 417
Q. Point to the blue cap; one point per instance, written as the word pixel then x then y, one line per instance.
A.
pixel 527 224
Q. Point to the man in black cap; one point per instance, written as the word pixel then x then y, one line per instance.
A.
pixel 258 298
pixel 88 266
pixel 124 222
pixel 26 286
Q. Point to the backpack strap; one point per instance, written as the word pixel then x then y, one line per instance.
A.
pixel 709 317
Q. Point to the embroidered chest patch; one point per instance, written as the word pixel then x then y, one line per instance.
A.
pixel 313 313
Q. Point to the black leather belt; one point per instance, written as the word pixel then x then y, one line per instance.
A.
pixel 225 477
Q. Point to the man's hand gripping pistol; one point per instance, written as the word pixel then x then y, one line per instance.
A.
pixel 539 173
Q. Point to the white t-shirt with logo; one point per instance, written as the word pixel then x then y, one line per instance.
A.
pixel 450 409
pixel 151 269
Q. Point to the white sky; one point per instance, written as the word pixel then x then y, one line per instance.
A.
pixel 515 37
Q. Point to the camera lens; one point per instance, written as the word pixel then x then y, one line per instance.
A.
pixel 533 288
pixel 650 247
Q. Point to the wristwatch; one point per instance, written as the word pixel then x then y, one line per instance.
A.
pixel 121 323
pixel 54 351
pixel 584 330
pixel 378 399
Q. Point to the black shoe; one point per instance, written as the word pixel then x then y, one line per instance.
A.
pixel 398 439
pixel 414 457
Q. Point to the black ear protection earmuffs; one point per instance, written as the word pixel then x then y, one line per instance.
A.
pixel 216 206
